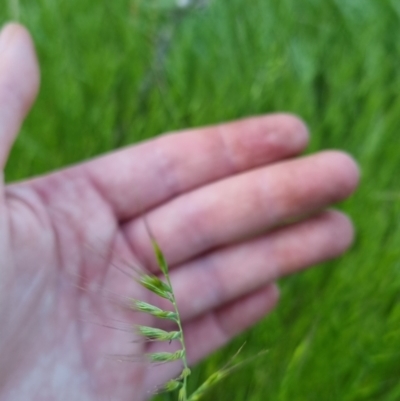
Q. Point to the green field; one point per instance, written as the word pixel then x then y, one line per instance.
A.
pixel 335 63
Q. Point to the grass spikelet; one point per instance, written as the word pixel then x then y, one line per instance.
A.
pixel 145 307
pixel 161 357
pixel 155 334
pixel 174 384
pixel 171 385
pixel 154 284
pixel 162 263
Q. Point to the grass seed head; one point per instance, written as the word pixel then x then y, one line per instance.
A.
pixel 166 356
pixel 145 307
pixel 162 263
pixel 157 334
pixel 154 284
pixel 172 385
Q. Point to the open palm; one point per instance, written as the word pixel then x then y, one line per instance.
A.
pixel 219 201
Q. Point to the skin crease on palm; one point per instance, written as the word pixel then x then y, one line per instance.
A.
pixel 217 199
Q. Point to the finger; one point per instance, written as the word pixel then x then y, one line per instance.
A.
pixel 19 83
pixel 138 178
pixel 244 206
pixel 227 274
pixel 213 330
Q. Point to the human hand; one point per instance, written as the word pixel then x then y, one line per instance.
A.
pixel 217 200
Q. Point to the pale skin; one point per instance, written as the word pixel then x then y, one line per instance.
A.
pixel 219 201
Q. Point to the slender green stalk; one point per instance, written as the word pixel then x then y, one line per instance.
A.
pixel 183 391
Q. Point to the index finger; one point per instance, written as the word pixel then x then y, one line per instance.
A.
pixel 141 177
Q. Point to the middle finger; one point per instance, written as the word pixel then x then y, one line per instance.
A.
pixel 243 206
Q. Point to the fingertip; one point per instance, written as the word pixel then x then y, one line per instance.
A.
pixel 10 31
pixel 348 169
pixel 261 140
pixel 340 172
pixel 272 295
pixel 17 40
pixel 342 231
pixel 283 135
pixel 295 128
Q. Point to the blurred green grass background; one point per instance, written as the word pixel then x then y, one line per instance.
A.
pixel 336 333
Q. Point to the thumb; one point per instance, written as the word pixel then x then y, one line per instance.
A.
pixel 19 83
